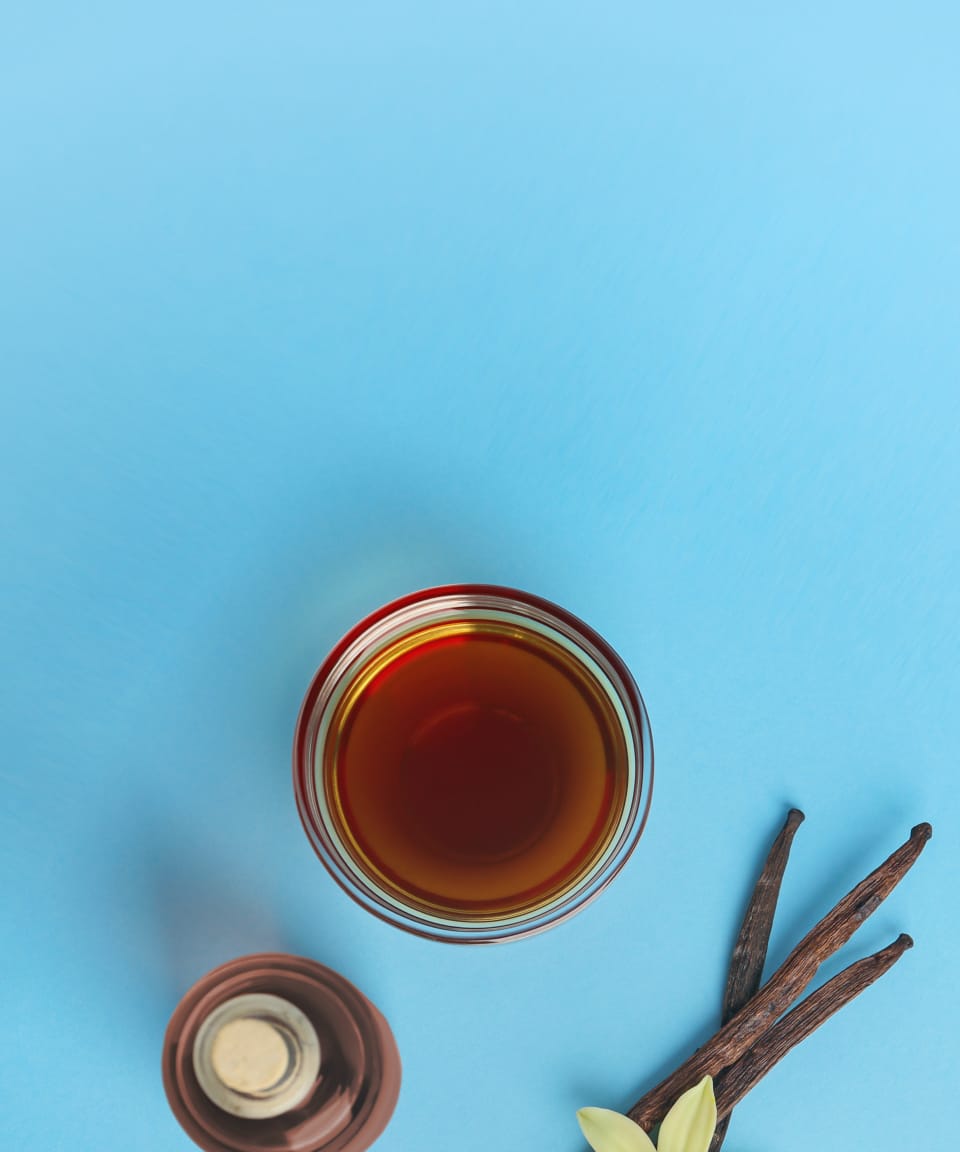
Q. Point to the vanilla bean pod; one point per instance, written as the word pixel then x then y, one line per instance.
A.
pixel 750 950
pixel 787 983
pixel 733 1083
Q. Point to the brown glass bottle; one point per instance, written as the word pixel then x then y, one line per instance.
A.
pixel 276 1053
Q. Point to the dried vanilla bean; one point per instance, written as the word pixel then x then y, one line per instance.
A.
pixel 787 983
pixel 750 950
pixel 733 1083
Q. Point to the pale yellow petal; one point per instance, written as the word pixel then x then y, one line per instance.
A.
pixel 690 1123
pixel 608 1131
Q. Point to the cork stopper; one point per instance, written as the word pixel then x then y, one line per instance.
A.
pixel 251 1056
pixel 256 1056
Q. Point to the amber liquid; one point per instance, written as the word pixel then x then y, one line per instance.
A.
pixel 475 769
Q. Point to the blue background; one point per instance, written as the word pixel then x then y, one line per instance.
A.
pixel 652 312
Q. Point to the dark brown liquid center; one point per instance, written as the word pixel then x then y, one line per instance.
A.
pixel 457 771
pixel 477 770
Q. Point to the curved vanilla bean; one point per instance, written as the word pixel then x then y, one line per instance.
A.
pixel 733 1083
pixel 750 950
pixel 786 984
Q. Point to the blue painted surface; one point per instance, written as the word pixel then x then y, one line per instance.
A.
pixel 654 313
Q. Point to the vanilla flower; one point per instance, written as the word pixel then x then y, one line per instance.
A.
pixel 687 1127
